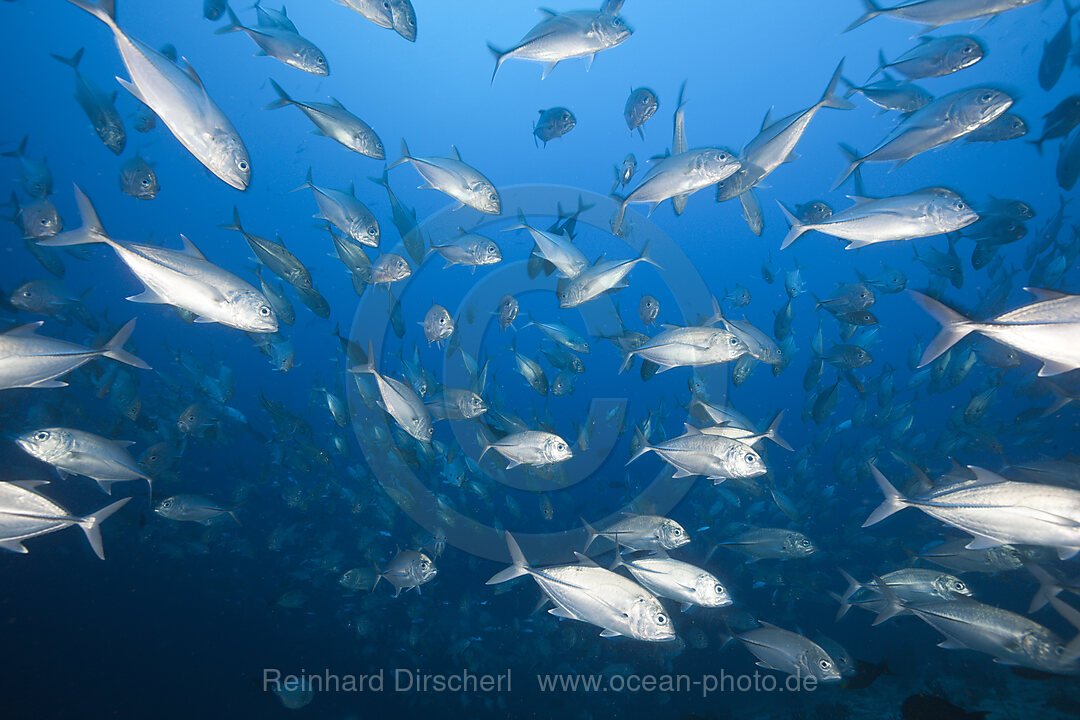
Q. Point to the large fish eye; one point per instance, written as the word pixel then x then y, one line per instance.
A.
pixel 959 586
pixel 243 165
pixel 824 664
pixel 804 542
pixel 719 589
pixel 560 447
pixel 968 49
pixel 661 619
pixel 41 435
pixel 43 221
pixel 987 97
pixel 264 311
pixel 145 182
pixel 677 532
pixel 960 205
pixel 749 457
pixel 27 294
pixel 734 340
pixel 372 230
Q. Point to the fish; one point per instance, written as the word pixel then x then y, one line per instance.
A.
pixel 178 97
pixel 563 36
pixel 335 122
pixel 602 277
pixel 25 513
pixel 77 452
pixel 553 123
pixel 192 508
pixel 648 309
pixel 399 401
pixel 1068 164
pixel 679 174
pixel 100 108
pixel 403 19
pixel 457 404
pixel 1056 51
pixel 937 57
pixel 281 43
pixel 588 593
pixel 891 94
pixel 1046 329
pixel 530 447
pixel 437 324
pixel 34 175
pixel 181 278
pixel 507 311
pixel 213 9
pixel 641 105
pixel 913 585
pixel 924 213
pixel 555 248
pixel 274 255
pixel 936 13
pixel 771 544
pixel 666 577
pixel 943 120
pixel 789 652
pixel 452 176
pixel 624 173
pixel 138 179
pixel 1007 126
pixel 345 212
pixel 713 456
pixel 468 249
pixel 34 361
pixel 995 511
pixel 407 571
pixel 640 532
pixel 377 11
pixel 776 143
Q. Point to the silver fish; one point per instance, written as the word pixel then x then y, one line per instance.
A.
pixel 180 100
pixel 335 122
pixel 562 36
pixel 33 361
pixel 25 513
pixel 81 453
pixel 455 178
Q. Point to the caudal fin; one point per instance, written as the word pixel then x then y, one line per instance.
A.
pixel 519 567
pixel 283 97
pixel 307 182
pixel 91 525
pixel 954 326
pixel 592 534
pixel 893 604
pixel 233 25
pixel 1049 587
pixel 405 156
pixel 73 61
pixel 773 433
pixel 894 501
pixel 844 600
pixel 89 232
pixel 114 349
pixel 500 58
pixel 854 163
pixel 103 10
pixel 829 99
pixel 872 11
pixel 796 228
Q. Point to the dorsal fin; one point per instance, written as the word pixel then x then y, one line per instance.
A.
pixel 190 249
pixel 585 560
pixel 25 330
pixel 457 155
pixel 193 75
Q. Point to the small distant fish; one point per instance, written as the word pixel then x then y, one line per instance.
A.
pixel 138 179
pixel 648 310
pixel 640 106
pixel 192 508
pixel 507 311
pixel 407 571
pixel 562 36
pixel 335 122
pixel 552 123
pixel 99 107
pixel 437 324
pixel 452 176
pixel 281 43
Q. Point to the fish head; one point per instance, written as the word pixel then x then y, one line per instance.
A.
pixel 964 53
pixel 610 29
pixel 798 545
pixel 422 429
pixel 46 443
pixel 365 231
pixel 718 164
pixel 367 143
pixel 423 569
pixel 472 405
pixel 311 59
pixel 252 312
pixel 648 621
pixel 949 586
pixel 485 198
pixel 114 137
pixel 745 462
pixel 487 253
pixel 228 159
pixel 570 294
pixel 27 297
pixel 816 662
pixel 949 212
pixel 982 106
pixel 556 450
pixel 140 182
pixel 170 507
pixel 40 219
pixel 710 592
pixel 672 535
pixel 403 19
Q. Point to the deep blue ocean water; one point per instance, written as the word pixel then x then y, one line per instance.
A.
pixel 183 619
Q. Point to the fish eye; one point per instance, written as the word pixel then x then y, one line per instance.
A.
pixel 243 165
pixel 987 97
pixel 144 182
pixel 804 542
pixel 371 231
pixel 719 589
pixel 43 221
pixel 749 457
pixel 734 340
pixel 968 49
pixel 677 532
pixel 824 664
pixel 41 435
pixel 321 60
pixel 264 311
pixel 661 619
pixel 27 293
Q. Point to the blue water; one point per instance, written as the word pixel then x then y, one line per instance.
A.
pixel 182 619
